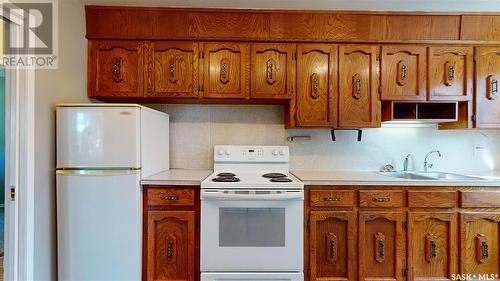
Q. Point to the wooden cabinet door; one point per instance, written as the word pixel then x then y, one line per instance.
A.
pixel 404 72
pixel 479 243
pixel 332 245
pixel 316 85
pixel 450 73
pixel 171 245
pixel 115 69
pixel 432 246
pixel 487 87
pixel 226 70
pixel 273 71
pixel 381 246
pixel 172 70
pixel 358 86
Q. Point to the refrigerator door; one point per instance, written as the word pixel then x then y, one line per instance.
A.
pixel 98 137
pixel 99 225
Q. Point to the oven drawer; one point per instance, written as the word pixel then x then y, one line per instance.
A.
pixel 170 197
pixel 332 198
pixel 382 198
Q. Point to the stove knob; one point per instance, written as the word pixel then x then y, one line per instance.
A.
pixel 282 152
pixel 220 152
pixel 228 152
pixel 275 152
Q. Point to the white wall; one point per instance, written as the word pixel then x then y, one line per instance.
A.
pixel 66 84
pixel 195 129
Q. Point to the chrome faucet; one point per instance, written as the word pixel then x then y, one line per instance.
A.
pixel 428 165
pixel 406 162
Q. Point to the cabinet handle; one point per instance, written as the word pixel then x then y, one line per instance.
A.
pixel 379 247
pixel 381 199
pixel 224 71
pixel 431 247
pixel 482 248
pixel 171 248
pixel 402 73
pixel 170 197
pixel 492 87
pixel 331 243
pixel 172 71
pixel 314 86
pixel 332 199
pixel 116 69
pixel 270 71
pixel 356 81
pixel 449 73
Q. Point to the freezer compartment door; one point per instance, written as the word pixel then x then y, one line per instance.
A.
pixel 245 276
pixel 99 225
pixel 98 137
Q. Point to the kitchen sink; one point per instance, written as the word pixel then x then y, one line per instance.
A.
pixel 428 176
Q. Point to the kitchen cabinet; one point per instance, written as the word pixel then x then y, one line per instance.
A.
pixel 316 85
pixel 171 234
pixel 226 70
pixel 487 99
pixel 432 245
pixel 359 103
pixel 332 245
pixel 450 73
pixel 172 70
pixel 115 69
pixel 404 73
pixel 272 71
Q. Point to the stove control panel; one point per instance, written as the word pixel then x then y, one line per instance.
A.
pixel 243 153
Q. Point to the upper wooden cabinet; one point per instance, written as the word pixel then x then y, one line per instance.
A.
pixel 172 70
pixel 226 70
pixel 487 109
pixel 273 71
pixel 115 69
pixel 404 72
pixel 316 85
pixel 450 73
pixel 359 103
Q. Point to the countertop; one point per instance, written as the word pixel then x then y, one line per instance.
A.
pixel 177 177
pixel 355 177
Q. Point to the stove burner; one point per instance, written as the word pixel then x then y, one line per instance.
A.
pixel 282 179
pixel 274 175
pixel 226 175
pixel 226 179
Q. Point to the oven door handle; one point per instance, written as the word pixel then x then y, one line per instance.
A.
pixel 232 196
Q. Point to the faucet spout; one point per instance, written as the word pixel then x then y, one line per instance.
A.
pixel 428 165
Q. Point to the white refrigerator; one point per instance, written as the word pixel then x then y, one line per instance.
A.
pixel 103 151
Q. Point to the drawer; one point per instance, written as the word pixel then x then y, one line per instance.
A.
pixel 480 199
pixel 332 198
pixel 385 199
pixel 170 197
pixel 431 199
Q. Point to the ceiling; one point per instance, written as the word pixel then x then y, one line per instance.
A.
pixel 376 5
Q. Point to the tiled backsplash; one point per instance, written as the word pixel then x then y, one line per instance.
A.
pixel 195 129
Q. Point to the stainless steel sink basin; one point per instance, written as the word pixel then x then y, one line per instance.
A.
pixel 428 176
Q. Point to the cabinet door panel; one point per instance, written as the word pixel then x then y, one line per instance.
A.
pixel 273 71
pixel 381 246
pixel 404 72
pixel 450 73
pixel 171 245
pixel 479 238
pixel 432 246
pixel 116 69
pixel 487 87
pixel 172 70
pixel 316 85
pixel 358 86
pixel 226 73
pixel 332 245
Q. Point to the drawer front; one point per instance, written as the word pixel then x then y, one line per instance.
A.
pixel 332 198
pixel 385 199
pixel 431 199
pixel 170 197
pixel 480 199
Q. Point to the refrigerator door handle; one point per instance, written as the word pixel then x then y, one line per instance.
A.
pixel 97 172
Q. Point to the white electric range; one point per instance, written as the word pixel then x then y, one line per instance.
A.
pixel 252 216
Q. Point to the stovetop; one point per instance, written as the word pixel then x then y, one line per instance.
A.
pixel 251 179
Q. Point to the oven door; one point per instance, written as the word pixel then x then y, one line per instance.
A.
pixel 251 230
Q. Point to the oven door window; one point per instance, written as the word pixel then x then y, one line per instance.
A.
pixel 251 227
